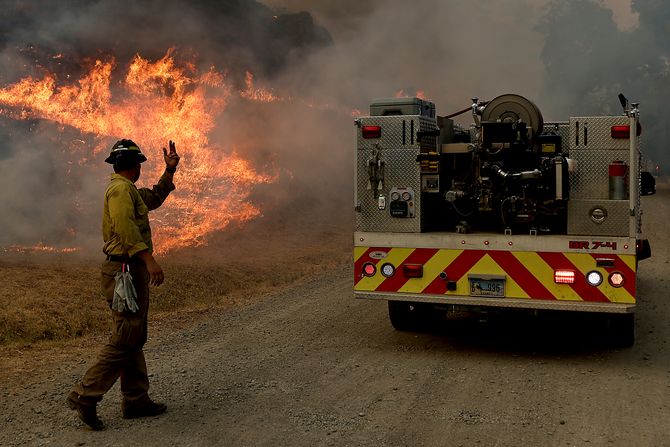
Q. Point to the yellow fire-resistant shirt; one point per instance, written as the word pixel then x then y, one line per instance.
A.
pixel 125 218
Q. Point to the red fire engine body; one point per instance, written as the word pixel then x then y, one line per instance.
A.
pixel 510 212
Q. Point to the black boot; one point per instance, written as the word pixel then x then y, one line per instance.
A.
pixel 86 412
pixel 151 408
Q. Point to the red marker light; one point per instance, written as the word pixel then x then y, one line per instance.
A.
pixel 412 270
pixel 623 132
pixel 564 277
pixel 372 131
pixel 369 269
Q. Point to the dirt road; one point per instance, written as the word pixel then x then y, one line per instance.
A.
pixel 312 366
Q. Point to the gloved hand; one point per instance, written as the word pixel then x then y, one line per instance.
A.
pixel 171 158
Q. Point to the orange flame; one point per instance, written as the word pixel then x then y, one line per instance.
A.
pixel 258 93
pixel 155 102
pixel 419 94
pixel 39 248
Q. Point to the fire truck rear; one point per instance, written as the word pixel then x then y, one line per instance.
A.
pixel 508 212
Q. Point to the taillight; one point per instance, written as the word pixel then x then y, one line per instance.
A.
pixel 369 269
pixel 372 131
pixel 623 132
pixel 616 279
pixel 594 278
pixel 412 270
pixel 387 270
pixel 564 276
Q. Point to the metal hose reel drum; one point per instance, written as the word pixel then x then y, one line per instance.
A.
pixel 512 108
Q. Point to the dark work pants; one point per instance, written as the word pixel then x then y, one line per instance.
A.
pixel 122 356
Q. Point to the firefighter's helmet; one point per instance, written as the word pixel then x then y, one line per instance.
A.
pixel 126 150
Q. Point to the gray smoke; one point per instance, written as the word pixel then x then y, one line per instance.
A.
pixel 568 56
pixel 237 34
pixel 589 61
pixel 451 50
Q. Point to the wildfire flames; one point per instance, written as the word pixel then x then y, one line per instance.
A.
pixel 419 94
pixel 39 248
pixel 256 93
pixel 157 101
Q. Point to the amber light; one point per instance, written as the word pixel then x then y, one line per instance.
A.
pixel 564 276
pixel 372 131
pixel 616 279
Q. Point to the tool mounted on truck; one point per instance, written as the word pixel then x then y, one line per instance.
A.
pixel 511 211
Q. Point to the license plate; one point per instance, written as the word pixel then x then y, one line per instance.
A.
pixel 494 287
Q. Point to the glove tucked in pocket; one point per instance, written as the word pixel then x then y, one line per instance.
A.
pixel 125 296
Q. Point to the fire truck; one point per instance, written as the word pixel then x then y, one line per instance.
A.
pixel 510 211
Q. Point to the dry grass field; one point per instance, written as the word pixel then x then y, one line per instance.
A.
pixel 56 296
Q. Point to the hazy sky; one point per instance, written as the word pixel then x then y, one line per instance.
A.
pixel 340 16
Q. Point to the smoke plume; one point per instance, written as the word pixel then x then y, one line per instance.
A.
pixel 570 57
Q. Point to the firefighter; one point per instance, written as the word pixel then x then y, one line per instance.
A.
pixel 128 248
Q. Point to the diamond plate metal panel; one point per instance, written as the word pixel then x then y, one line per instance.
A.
pixel 595 133
pixel 615 224
pixel 398 132
pixel 591 177
pixel 400 171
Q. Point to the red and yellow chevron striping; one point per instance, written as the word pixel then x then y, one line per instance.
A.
pixel 528 274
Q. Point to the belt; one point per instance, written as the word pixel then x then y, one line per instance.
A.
pixel 118 258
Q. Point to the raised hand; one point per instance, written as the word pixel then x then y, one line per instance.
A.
pixel 171 158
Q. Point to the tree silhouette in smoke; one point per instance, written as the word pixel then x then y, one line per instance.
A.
pixel 589 61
